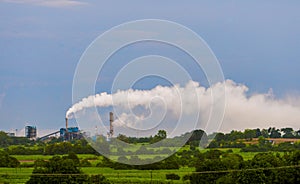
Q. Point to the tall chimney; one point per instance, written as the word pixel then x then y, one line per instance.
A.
pixel 66 124
pixel 111 128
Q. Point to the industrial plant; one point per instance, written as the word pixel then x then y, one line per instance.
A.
pixel 67 133
pixel 30 132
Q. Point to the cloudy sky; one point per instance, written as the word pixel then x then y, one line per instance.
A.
pixel 256 43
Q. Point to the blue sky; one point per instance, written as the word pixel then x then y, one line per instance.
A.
pixel 41 41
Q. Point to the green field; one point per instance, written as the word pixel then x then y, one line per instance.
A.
pixel 47 157
pixel 136 175
pixel 245 155
pixel 12 175
pixel 21 175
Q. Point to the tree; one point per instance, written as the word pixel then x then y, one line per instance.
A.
pixel 265 133
pixel 162 134
pixel 258 132
pixel 4 139
pixel 8 161
pixel 73 157
pixel 198 138
pixel 249 134
pixel 249 177
pixel 53 169
pixel 232 160
pixel 208 165
pixel 274 133
pixel 123 138
pixel 288 133
pixel 234 135
pixel 172 176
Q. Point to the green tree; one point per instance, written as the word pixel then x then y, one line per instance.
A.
pixel 265 133
pixel 250 176
pixel 8 161
pixel 208 165
pixel 198 138
pixel 288 133
pixel 249 134
pixel 274 133
pixel 162 134
pixel 54 169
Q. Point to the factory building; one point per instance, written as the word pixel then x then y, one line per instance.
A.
pixel 30 132
pixel 70 133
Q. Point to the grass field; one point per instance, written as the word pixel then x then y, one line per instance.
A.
pixel 21 175
pixel 15 175
pixel 47 157
pixel 136 175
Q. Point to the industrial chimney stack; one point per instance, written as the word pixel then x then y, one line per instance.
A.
pixel 111 128
pixel 66 124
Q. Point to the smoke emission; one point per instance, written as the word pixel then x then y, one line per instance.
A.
pixel 242 110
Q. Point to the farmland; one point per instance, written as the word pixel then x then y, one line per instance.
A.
pixel 227 158
pixel 22 174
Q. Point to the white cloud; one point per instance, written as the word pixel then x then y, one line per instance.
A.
pixel 48 3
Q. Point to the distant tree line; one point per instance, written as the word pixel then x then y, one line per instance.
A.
pixel 6 140
pixel 161 134
pixel 235 139
pixel 265 145
pixel 168 163
pixel 59 148
pixel 196 138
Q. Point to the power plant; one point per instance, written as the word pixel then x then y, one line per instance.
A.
pixel 67 133
pixel 30 132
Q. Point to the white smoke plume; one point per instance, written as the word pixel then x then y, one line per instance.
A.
pixel 260 110
pixel 172 97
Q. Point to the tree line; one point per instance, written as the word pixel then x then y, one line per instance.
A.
pixel 263 168
pixel 234 139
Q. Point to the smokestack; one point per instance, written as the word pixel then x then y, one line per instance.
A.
pixel 66 124
pixel 111 128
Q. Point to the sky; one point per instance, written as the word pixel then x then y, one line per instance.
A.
pixel 256 43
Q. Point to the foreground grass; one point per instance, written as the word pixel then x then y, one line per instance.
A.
pixel 21 175
pixel 15 175
pixel 142 176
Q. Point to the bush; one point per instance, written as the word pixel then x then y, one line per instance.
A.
pixel 8 161
pixel 172 176
pixel 85 163
pixel 99 178
pixel 56 166
pixel 186 177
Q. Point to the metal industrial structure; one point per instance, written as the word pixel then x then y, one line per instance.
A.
pixel 67 133
pixel 30 132
pixel 111 127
